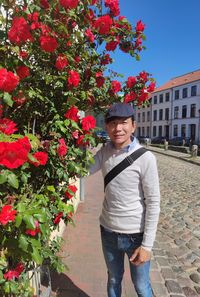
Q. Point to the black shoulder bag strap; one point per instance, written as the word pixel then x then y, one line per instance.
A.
pixel 123 165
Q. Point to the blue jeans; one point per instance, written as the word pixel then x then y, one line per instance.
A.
pixel 115 246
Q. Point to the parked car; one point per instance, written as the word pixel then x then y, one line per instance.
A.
pixel 103 136
pixel 144 139
pixel 158 140
pixel 179 141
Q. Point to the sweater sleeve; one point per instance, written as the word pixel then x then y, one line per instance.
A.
pixel 151 190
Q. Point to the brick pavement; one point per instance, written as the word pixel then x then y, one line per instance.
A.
pixel 82 254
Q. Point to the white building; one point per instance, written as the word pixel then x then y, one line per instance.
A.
pixel 174 110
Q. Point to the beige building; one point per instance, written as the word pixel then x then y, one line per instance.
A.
pixel 174 110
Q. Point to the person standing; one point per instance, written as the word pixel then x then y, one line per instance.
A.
pixel 131 206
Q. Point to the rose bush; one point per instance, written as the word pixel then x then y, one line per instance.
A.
pixel 52 68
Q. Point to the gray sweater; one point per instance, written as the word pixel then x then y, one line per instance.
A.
pixel 132 199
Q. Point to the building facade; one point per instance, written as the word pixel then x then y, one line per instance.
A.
pixel 174 110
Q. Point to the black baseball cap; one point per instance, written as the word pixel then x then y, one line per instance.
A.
pixel 119 110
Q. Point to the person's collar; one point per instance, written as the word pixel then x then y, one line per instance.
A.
pixel 127 148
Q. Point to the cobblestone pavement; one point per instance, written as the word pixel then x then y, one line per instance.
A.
pixel 176 262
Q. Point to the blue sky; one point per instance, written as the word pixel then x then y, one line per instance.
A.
pixel 172 38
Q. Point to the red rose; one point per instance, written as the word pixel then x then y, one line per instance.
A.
pixel 151 87
pixel 113 5
pixel 81 141
pixel 69 3
pixel 131 82
pixel 11 274
pixel 89 35
pixel 7 214
pixel 99 79
pixel 20 99
pixel 41 158
pixel 73 78
pixel 88 123
pixel 58 218
pixel 103 24
pixel 7 126
pixel 72 114
pixel 23 54
pixel 111 46
pixel 115 86
pixel 71 190
pixel 77 59
pixel 20 31
pixel 34 232
pixel 48 44
pixel 75 134
pixel 106 59
pixel 14 154
pixel 143 76
pixel 44 4
pixel 62 148
pixel 140 26
pixel 130 97
pixel 143 96
pixel 23 72
pixel 61 62
pixel 8 80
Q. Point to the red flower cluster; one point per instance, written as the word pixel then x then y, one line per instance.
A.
pixel 71 190
pixel 11 274
pixel 103 24
pixel 8 80
pixel 99 79
pixel 62 148
pixel 73 78
pixel 115 86
pixel 41 158
pixel 44 4
pixel 48 44
pixel 14 154
pixel 20 31
pixel 7 126
pixel 131 82
pixel 88 123
pixel 61 62
pixel 113 5
pixel 34 232
pixel 23 72
pixel 90 35
pixel 130 97
pixel 57 219
pixel 7 214
pixel 111 46
pixel 72 114
pixel 106 59
pixel 140 27
pixel 69 3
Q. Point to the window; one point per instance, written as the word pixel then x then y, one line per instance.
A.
pixel 160 114
pixel 155 115
pixel 192 110
pixel 143 116
pixel 160 131
pixel 148 116
pixel 154 130
pixel 138 118
pixel 183 130
pixel 155 99
pixel 175 130
pixel 176 108
pixel 185 93
pixel 143 134
pixel 161 98
pixel 148 131
pixel 184 111
pixel 139 131
pixel 176 94
pixel 193 90
pixel 167 97
pixel 167 114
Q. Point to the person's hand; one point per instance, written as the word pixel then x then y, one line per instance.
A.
pixel 140 256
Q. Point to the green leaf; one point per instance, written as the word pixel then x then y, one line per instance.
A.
pixel 29 221
pixel 36 256
pixel 18 220
pixel 35 243
pixel 51 189
pixel 23 243
pixel 13 180
pixel 7 99
pixel 3 178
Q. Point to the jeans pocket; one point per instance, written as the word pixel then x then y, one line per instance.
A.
pixel 136 239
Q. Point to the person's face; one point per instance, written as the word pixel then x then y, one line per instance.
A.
pixel 120 131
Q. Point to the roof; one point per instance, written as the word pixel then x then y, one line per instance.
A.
pixel 180 80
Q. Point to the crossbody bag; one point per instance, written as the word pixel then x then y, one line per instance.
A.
pixel 123 165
